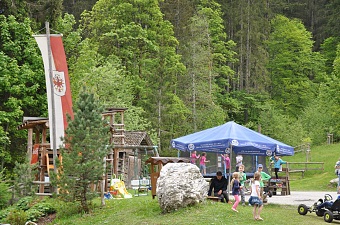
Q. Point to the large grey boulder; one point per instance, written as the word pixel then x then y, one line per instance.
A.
pixel 180 185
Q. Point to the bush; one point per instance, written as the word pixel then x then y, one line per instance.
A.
pixel 4 213
pixel 34 214
pixel 24 203
pixel 44 207
pixel 5 194
pixel 24 175
pixel 34 209
pixel 68 209
pixel 17 217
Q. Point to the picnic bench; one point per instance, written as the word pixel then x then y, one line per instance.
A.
pixel 305 166
pixel 298 171
pixel 141 186
pixel 213 198
pixel 302 167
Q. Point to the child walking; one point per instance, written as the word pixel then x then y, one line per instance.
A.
pixel 243 178
pixel 255 197
pixel 235 183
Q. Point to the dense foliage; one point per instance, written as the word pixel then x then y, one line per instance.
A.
pixel 22 86
pixel 27 209
pixel 5 194
pixel 180 66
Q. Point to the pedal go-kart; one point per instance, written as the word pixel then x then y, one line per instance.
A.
pixel 329 210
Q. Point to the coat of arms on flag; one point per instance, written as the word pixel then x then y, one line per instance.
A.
pixel 59 83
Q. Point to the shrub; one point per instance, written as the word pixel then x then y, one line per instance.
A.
pixel 5 194
pixel 24 203
pixel 44 207
pixel 34 214
pixel 4 213
pixel 34 209
pixel 24 175
pixel 17 217
pixel 68 209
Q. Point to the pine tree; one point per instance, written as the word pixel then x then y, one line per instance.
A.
pixel 206 54
pixel 86 145
pixel 5 195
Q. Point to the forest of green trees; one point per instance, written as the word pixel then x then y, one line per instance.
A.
pixel 179 66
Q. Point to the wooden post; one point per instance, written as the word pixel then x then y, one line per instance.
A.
pixel 115 164
pixel 29 144
pixel 102 188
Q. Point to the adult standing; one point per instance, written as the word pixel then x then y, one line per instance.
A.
pixel 337 171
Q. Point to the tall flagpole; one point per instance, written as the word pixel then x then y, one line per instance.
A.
pixel 53 122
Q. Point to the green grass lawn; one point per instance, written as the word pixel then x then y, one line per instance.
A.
pixel 145 210
pixel 316 180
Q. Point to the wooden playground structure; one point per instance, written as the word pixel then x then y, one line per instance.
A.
pixel 125 159
pixel 282 183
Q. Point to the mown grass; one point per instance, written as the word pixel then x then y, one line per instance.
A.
pixel 145 210
pixel 316 180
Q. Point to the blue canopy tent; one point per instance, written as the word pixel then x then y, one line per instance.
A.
pixel 232 137
pixel 241 139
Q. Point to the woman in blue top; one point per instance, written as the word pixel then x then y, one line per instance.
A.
pixel 277 164
pixel 235 183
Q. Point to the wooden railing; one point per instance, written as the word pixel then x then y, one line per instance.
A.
pixel 305 166
pixel 300 167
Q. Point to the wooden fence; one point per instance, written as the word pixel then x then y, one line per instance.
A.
pixel 305 166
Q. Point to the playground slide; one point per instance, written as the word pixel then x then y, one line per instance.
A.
pixel 119 190
pixel 122 191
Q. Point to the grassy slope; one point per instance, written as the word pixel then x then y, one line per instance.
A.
pixel 316 180
pixel 145 210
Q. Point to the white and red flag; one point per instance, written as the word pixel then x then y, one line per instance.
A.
pixel 61 84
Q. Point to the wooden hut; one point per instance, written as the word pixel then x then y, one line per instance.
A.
pixel 126 159
pixel 38 150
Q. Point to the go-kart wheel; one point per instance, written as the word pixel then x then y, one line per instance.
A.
pixel 320 212
pixel 302 209
pixel 328 216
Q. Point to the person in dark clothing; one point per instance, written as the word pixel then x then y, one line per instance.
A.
pixel 219 184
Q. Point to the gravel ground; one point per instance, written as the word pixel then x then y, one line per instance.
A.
pixel 299 197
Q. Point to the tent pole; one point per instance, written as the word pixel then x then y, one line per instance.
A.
pixel 231 159
pixel 256 163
